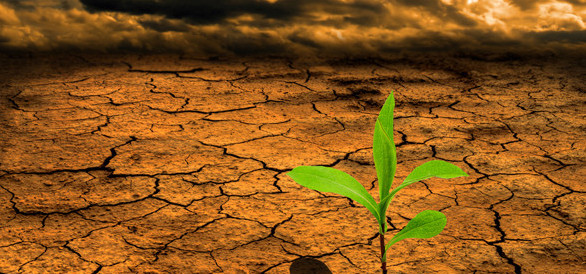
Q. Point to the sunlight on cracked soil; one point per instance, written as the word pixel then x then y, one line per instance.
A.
pixel 166 164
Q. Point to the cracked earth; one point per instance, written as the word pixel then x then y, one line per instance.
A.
pixel 166 164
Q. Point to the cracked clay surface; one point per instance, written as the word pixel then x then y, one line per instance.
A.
pixel 164 164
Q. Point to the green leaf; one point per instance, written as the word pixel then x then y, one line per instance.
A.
pixel 426 224
pixel 434 168
pixel 384 152
pixel 327 179
pixel 382 210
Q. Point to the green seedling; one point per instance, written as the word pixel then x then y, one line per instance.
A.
pixel 426 224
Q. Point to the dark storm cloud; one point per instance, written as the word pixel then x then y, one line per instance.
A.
pixel 573 37
pixel 441 9
pixel 343 27
pixel 164 25
pixel 210 12
pixel 199 12
pixel 525 4
pixel 33 4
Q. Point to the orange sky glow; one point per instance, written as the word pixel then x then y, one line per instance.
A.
pixel 294 26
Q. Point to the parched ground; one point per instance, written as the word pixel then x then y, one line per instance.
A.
pixel 163 164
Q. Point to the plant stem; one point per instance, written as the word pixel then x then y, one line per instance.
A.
pixel 382 253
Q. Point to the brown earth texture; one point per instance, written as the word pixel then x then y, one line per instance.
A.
pixel 168 164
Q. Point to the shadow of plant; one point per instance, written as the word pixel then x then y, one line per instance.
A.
pixel 305 265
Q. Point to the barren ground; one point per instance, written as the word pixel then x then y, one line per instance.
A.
pixel 119 164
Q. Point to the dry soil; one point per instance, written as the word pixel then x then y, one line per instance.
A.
pixel 169 164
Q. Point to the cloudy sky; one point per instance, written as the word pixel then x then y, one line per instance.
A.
pixel 292 26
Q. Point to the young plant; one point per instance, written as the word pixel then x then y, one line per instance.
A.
pixel 426 224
